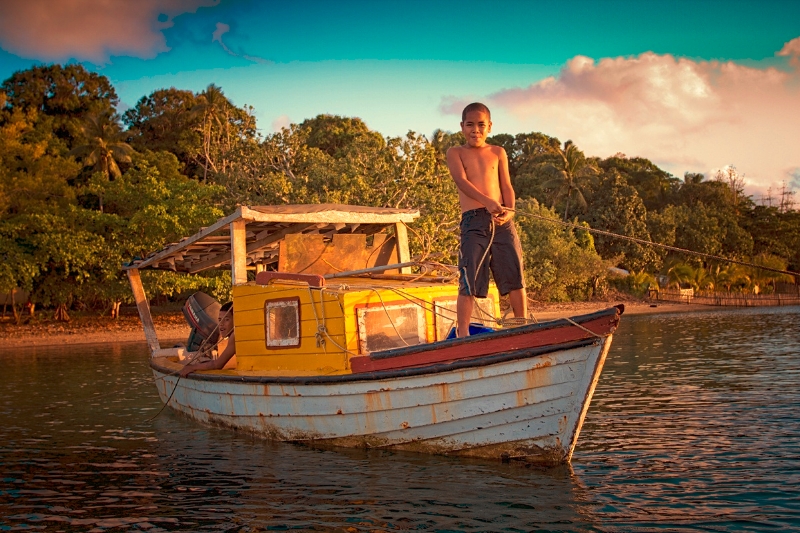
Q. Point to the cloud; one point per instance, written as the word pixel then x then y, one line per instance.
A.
pixel 281 122
pixel 683 114
pixel 89 30
pixel 216 37
pixel 792 51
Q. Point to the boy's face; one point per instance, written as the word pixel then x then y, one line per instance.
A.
pixel 476 128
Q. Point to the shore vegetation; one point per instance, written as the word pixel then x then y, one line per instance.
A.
pixel 86 186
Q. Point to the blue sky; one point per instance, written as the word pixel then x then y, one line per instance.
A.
pixel 694 86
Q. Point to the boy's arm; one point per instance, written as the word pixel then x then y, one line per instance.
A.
pixel 460 177
pixel 509 198
pixel 214 364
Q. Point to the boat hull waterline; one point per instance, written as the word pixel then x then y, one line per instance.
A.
pixel 527 405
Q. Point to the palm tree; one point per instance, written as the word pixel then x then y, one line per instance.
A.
pixel 726 276
pixel 700 279
pixel 569 171
pixel 213 105
pixel 678 273
pixel 104 145
pixel 761 278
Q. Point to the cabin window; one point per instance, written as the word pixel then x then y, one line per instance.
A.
pixel 391 326
pixel 482 313
pixel 282 322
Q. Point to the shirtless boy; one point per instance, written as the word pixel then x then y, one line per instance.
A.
pixel 480 171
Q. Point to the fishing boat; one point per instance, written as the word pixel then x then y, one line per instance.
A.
pixel 341 341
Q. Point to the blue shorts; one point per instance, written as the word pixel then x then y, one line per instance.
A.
pixel 504 258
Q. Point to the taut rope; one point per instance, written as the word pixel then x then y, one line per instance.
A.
pixel 657 245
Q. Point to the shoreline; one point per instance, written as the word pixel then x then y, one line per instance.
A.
pixel 171 327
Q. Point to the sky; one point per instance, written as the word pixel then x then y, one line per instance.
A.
pixel 694 86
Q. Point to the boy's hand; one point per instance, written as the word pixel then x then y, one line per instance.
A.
pixel 504 217
pixel 495 208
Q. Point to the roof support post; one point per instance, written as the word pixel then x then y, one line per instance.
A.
pixel 238 252
pixel 403 255
pixel 144 310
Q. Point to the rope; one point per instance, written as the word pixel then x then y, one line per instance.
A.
pixel 657 245
pixel 583 328
pixel 196 356
pixel 321 335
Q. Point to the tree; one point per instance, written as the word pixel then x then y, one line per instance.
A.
pixel 677 272
pixel 34 177
pixel 655 187
pixel 528 156
pixel 64 93
pixel 559 264
pixel 617 208
pixel 568 173
pixel 149 205
pixel 166 120
pixel 103 145
pixel 222 128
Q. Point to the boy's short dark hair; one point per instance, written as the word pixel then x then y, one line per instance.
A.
pixel 475 106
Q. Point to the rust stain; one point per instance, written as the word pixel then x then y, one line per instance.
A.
pixel 373 399
pixel 444 392
pixel 433 414
pixel 521 400
pixel 339 412
pixel 404 425
pixel 536 376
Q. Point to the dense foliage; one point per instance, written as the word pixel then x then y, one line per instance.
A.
pixel 83 189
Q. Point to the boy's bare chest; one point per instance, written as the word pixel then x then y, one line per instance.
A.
pixel 479 163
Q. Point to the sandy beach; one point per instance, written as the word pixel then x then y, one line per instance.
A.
pixel 171 326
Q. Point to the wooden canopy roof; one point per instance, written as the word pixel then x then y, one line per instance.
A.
pixel 263 229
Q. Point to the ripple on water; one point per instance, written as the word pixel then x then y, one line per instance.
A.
pixel 694 426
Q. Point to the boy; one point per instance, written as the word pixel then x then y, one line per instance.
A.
pixel 487 200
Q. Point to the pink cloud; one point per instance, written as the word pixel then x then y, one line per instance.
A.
pixel 90 30
pixel 683 114
pixel 792 51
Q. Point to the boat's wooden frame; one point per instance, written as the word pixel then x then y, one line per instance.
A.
pixel 517 393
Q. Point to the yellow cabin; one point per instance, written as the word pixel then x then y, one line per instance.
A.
pixel 316 285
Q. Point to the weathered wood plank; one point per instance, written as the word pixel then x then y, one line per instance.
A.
pixel 238 252
pixel 144 310
pixel 403 254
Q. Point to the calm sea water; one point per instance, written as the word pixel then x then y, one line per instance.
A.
pixel 695 426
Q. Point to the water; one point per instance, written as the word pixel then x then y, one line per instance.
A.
pixel 694 426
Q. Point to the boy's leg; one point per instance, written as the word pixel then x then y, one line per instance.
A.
pixel 464 311
pixel 473 281
pixel 519 302
pixel 507 268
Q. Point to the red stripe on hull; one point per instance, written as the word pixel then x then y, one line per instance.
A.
pixel 479 346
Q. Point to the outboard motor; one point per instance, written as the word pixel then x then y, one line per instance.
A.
pixel 201 312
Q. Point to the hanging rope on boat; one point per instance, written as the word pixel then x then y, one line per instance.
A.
pixel 199 353
pixel 651 243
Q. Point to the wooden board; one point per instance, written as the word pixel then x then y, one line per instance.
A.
pixel 311 254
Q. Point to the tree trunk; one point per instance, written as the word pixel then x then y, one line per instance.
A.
pixel 17 316
pixel 61 314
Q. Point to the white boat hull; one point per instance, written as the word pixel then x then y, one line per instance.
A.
pixel 528 408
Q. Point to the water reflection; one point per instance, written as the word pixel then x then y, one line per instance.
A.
pixel 694 425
